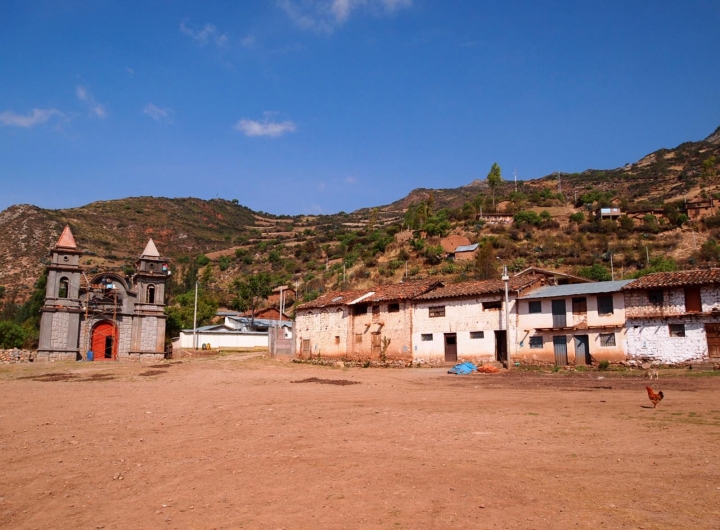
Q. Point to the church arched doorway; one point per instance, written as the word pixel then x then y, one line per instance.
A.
pixel 104 341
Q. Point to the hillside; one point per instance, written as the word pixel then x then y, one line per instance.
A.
pixel 310 250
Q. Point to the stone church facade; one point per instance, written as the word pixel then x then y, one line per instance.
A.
pixel 113 317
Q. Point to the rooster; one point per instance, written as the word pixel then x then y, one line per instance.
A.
pixel 654 397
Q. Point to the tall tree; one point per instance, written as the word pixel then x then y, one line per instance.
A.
pixel 486 266
pixel 251 291
pixel 494 179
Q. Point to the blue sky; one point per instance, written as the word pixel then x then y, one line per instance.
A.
pixel 318 106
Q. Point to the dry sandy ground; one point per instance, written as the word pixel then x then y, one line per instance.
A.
pixel 236 442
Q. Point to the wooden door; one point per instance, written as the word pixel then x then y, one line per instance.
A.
pixel 104 341
pixel 712 332
pixel 375 347
pixel 560 346
pixel 559 313
pixel 450 347
pixel 582 350
pixel 501 345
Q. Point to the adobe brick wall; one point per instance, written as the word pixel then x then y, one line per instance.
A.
pixel 15 355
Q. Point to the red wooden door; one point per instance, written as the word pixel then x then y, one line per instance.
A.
pixel 104 341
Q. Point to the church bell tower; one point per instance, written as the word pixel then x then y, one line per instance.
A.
pixel 60 318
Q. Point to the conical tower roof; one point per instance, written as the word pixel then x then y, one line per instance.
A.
pixel 150 251
pixel 66 239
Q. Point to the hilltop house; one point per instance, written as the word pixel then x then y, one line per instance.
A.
pixel 674 317
pixel 114 317
pixel 574 323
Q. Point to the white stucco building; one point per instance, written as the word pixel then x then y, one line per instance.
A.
pixel 674 317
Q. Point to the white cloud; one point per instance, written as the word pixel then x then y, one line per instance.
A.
pixel 350 180
pixel 130 71
pixel 203 36
pixel 157 113
pixel 326 15
pixel 266 127
pixel 248 42
pixel 96 109
pixel 36 117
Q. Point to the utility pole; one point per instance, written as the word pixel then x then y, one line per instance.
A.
pixel 506 279
pixel 195 318
pixel 647 256
pixel 612 268
pixel 515 174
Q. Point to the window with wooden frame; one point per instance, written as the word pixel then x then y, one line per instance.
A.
pixel 306 345
pixel 477 334
pixel 394 308
pixel 436 311
pixel 495 304
pixel 375 310
pixel 655 296
pixel 693 302
pixel 676 330
pixel 535 307
pixel 607 340
pixel 536 342
pixel 579 306
pixel 605 305
pixel 425 337
pixel 358 338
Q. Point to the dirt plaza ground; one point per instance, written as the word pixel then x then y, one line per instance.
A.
pixel 241 441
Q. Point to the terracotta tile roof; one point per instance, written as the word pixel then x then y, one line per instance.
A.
pixel 381 293
pixel 476 288
pixel 675 279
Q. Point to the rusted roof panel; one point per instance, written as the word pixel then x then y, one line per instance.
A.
pixel 675 279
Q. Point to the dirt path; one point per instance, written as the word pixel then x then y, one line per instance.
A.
pixel 240 442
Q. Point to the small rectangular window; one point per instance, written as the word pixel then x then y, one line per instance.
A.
pixel 358 337
pixel 676 330
pixel 492 305
pixel 535 307
pixel 605 305
pixel 536 342
pixel 360 309
pixel 437 311
pixel 375 310
pixel 337 339
pixel 655 296
pixel 607 339
pixel 477 334
pixel 579 306
pixel 306 345
pixel 393 308
pixel 426 336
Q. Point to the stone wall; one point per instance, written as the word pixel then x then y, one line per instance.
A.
pixel 649 340
pixel 16 356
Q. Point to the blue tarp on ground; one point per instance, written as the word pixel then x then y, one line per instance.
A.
pixel 463 369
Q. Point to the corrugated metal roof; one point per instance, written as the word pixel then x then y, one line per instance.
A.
pixel 467 248
pixel 558 291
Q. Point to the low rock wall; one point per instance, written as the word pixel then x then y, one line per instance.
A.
pixel 16 356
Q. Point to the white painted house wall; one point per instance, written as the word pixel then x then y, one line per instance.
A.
pixel 648 335
pixel 225 340
pixel 461 317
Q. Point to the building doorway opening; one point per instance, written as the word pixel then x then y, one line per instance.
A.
pixel 450 347
pixel 501 345
pixel 104 341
